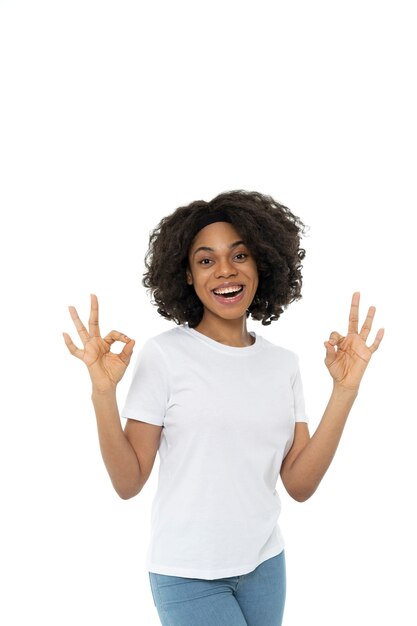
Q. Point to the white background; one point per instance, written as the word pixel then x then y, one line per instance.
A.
pixel 113 114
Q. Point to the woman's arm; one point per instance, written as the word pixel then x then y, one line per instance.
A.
pixel 346 358
pixel 106 370
pixel 118 454
pixel 308 459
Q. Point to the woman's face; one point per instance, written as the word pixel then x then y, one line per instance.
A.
pixel 227 261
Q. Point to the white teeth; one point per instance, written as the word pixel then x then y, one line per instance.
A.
pixel 227 290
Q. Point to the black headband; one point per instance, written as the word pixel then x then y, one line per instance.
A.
pixel 218 215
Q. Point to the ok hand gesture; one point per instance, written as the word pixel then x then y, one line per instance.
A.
pixel 347 357
pixel 105 368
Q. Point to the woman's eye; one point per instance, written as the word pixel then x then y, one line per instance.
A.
pixel 240 254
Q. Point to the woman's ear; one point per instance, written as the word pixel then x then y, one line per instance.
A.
pixel 189 277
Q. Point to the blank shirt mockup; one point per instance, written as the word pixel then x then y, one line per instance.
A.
pixel 228 417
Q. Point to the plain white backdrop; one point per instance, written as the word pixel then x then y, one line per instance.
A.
pixel 113 114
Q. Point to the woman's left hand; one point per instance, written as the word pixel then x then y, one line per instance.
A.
pixel 347 357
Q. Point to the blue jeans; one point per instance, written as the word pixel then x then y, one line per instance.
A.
pixel 253 599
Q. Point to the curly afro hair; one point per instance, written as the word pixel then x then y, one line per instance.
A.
pixel 272 234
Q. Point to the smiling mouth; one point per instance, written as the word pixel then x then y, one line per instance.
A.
pixel 229 298
pixel 229 294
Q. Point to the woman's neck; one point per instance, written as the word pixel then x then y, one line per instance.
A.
pixel 232 333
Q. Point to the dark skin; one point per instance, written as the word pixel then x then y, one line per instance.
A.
pixel 347 356
pixel 209 268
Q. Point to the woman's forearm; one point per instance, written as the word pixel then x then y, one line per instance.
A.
pixel 118 455
pixel 312 462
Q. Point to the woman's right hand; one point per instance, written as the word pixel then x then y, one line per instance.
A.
pixel 106 368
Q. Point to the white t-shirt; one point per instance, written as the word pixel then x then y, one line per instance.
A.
pixel 228 417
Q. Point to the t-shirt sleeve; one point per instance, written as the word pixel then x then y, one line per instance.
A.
pixel 147 396
pixel 299 404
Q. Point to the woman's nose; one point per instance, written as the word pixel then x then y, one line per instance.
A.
pixel 225 268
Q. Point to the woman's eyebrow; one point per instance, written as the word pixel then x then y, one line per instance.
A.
pixel 232 245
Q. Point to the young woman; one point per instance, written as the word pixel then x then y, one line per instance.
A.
pixel 223 405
